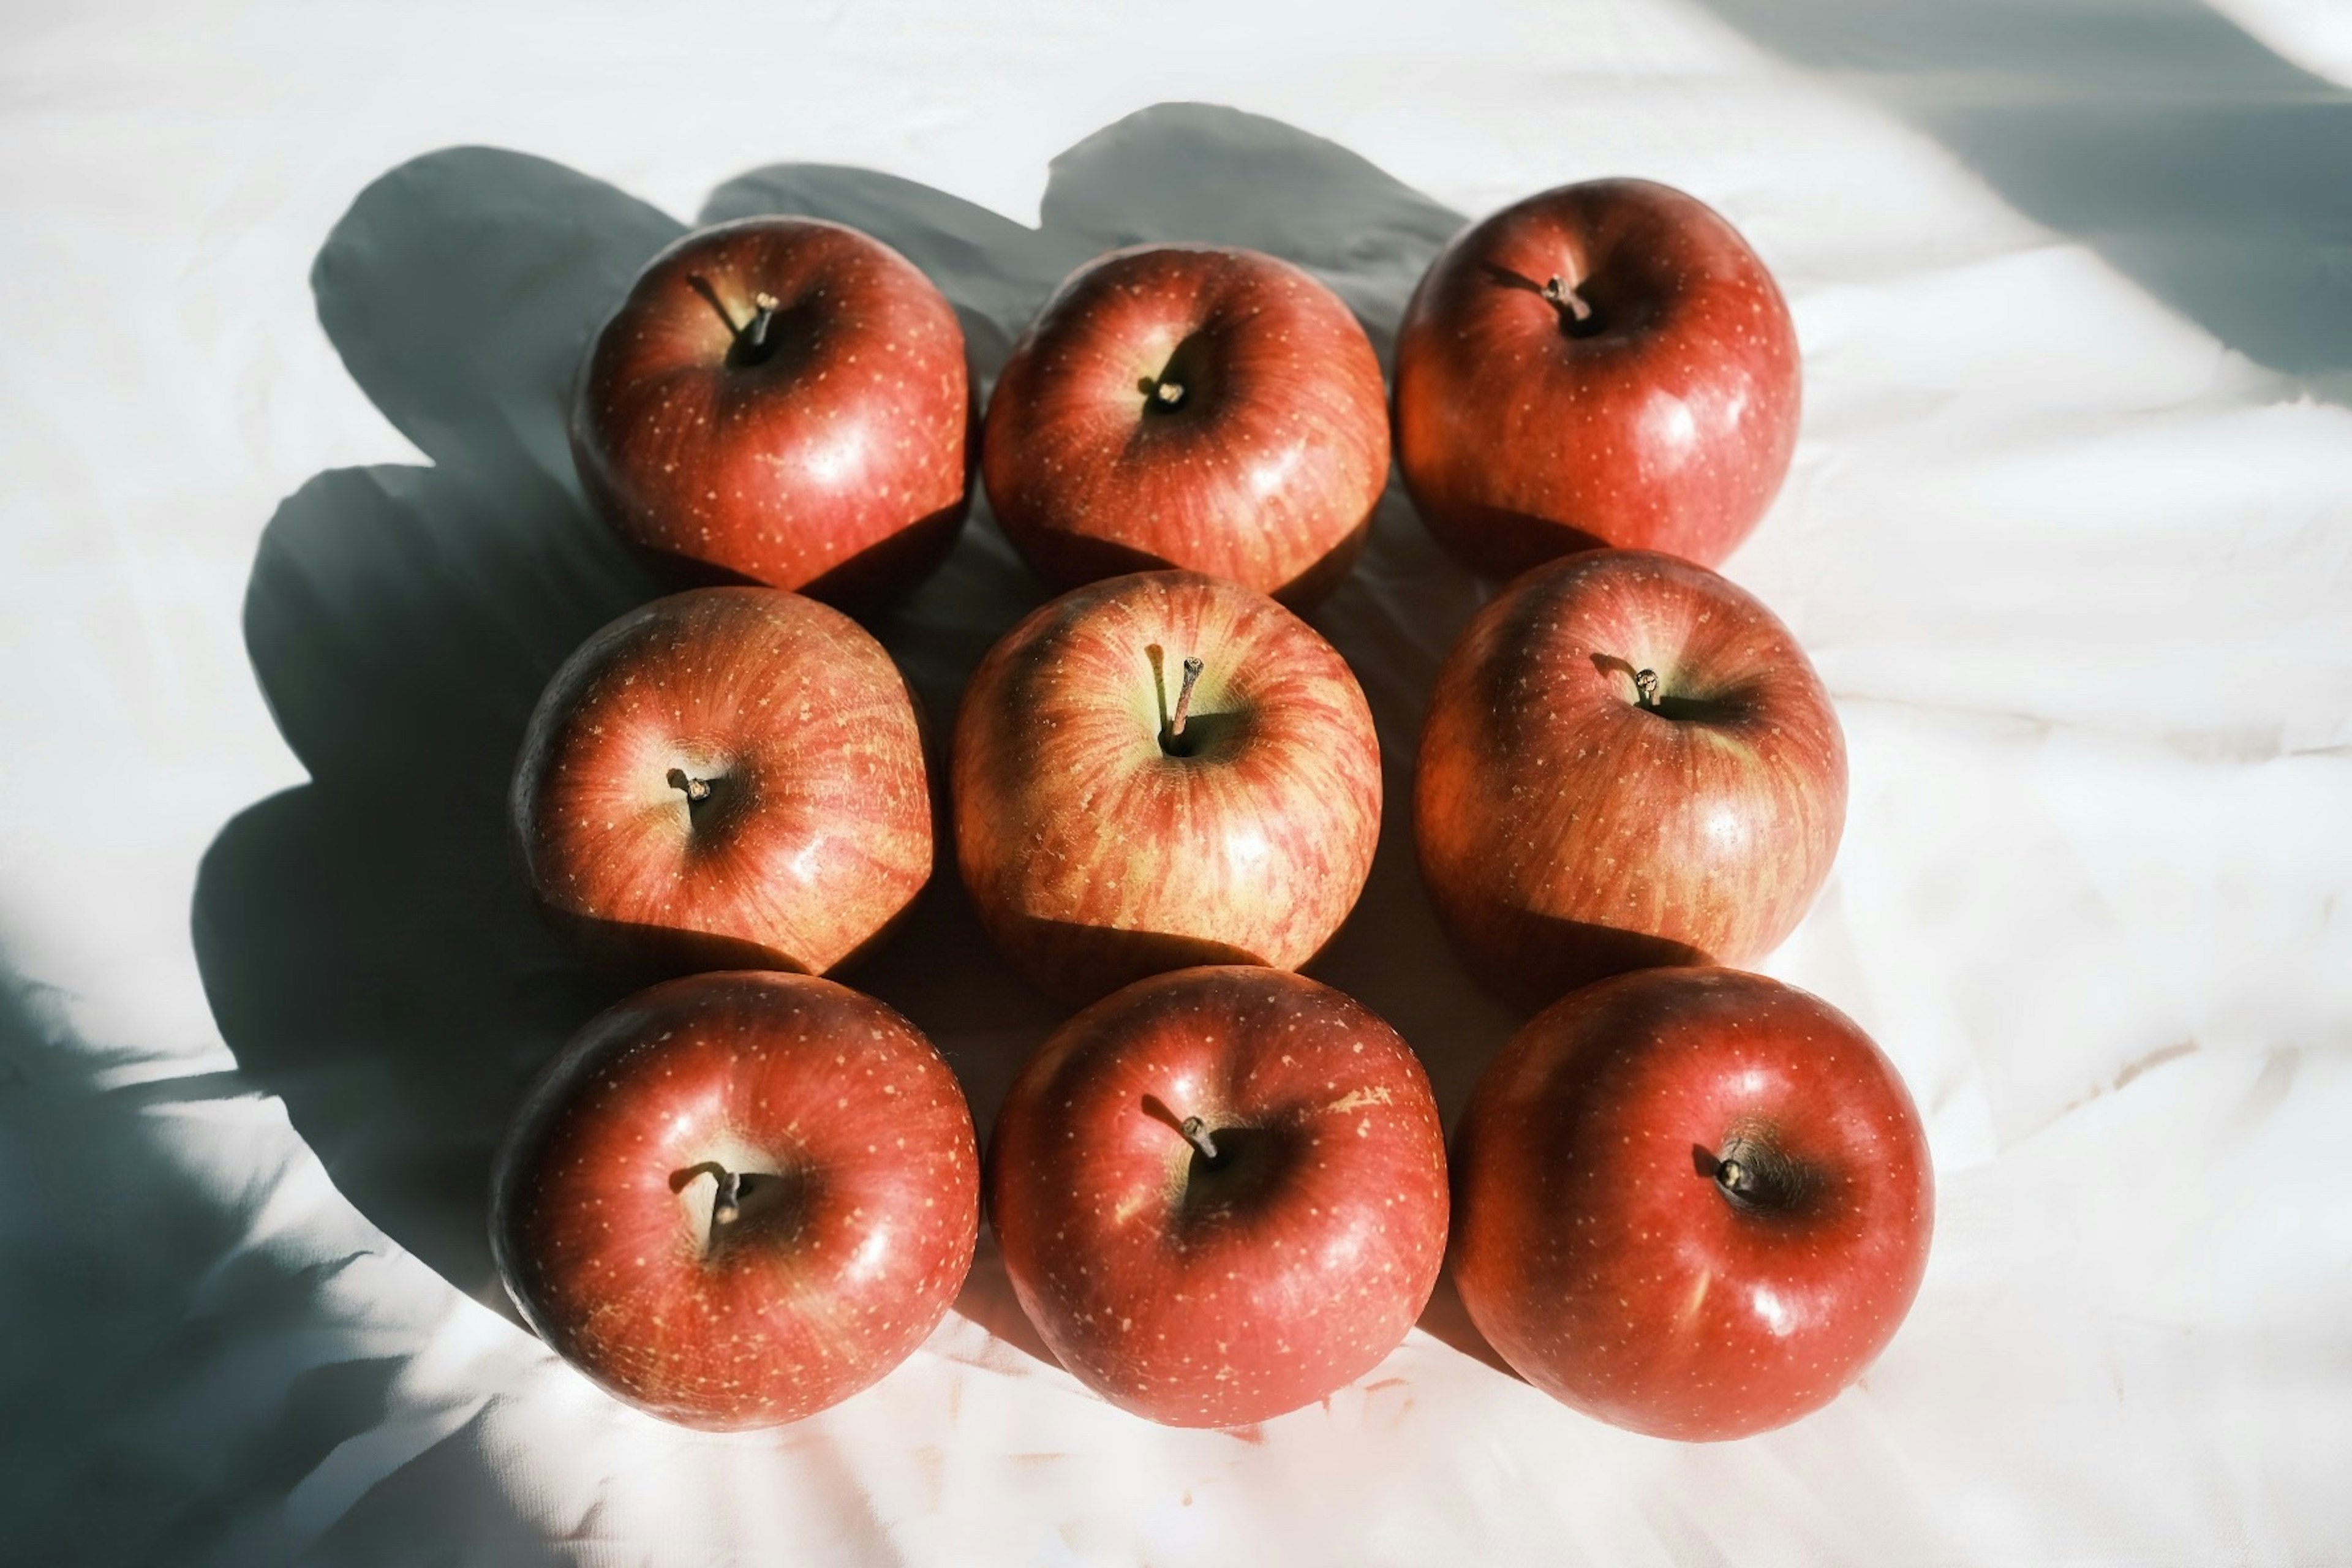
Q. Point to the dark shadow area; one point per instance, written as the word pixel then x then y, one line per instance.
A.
pixel 408 1517
pixel 766 1208
pixel 366 941
pixel 1700 709
pixel 1447 1320
pixel 1506 543
pixel 1085 963
pixel 635 954
pixel 1208 737
pixel 1227 1187
pixel 987 1298
pixel 2193 159
pixel 102 1247
pixel 1543 958
pixel 1075 558
pixel 866 583
pixel 368 946
pixel 1078 558
pixel 861 586
pixel 168 1376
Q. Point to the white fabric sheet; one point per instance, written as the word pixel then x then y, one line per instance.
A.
pixel 288 541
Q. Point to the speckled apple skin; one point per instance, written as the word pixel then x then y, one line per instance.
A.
pixel 1565 833
pixel 817 834
pixel 1267 473
pixel 1221 1298
pixel 1668 425
pixel 1093 857
pixel 838 466
pixel 1613 1273
pixel 834 1272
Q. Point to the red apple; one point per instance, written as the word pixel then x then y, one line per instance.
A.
pixel 1695 1203
pixel 1189 405
pixel 736 1199
pixel 1628 762
pixel 726 778
pixel 783 401
pixel 1219 1193
pixel 1163 770
pixel 1603 364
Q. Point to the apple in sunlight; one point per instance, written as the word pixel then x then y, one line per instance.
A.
pixel 737 1199
pixel 1603 363
pixel 780 400
pixel 1194 406
pixel 1163 770
pixel 1695 1203
pixel 1219 1193
pixel 1628 761
pixel 729 778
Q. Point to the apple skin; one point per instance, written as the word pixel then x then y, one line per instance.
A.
pixel 1664 420
pixel 1567 832
pixel 1092 855
pixel 816 833
pixel 856 1222
pixel 833 460
pixel 1216 1293
pixel 1600 1256
pixel 1260 461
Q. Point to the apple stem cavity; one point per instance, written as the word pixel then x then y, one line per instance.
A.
pixel 696 790
pixel 750 346
pixel 1562 294
pixel 1196 1133
pixel 727 1203
pixel 1753 1177
pixel 1645 685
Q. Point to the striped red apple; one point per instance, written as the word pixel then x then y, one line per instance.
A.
pixel 1163 770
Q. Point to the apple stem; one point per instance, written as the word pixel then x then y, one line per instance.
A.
pixel 1162 394
pixel 1562 293
pixel 1734 1178
pixel 755 331
pixel 1184 696
pixel 1645 682
pixel 1196 1133
pixel 696 790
